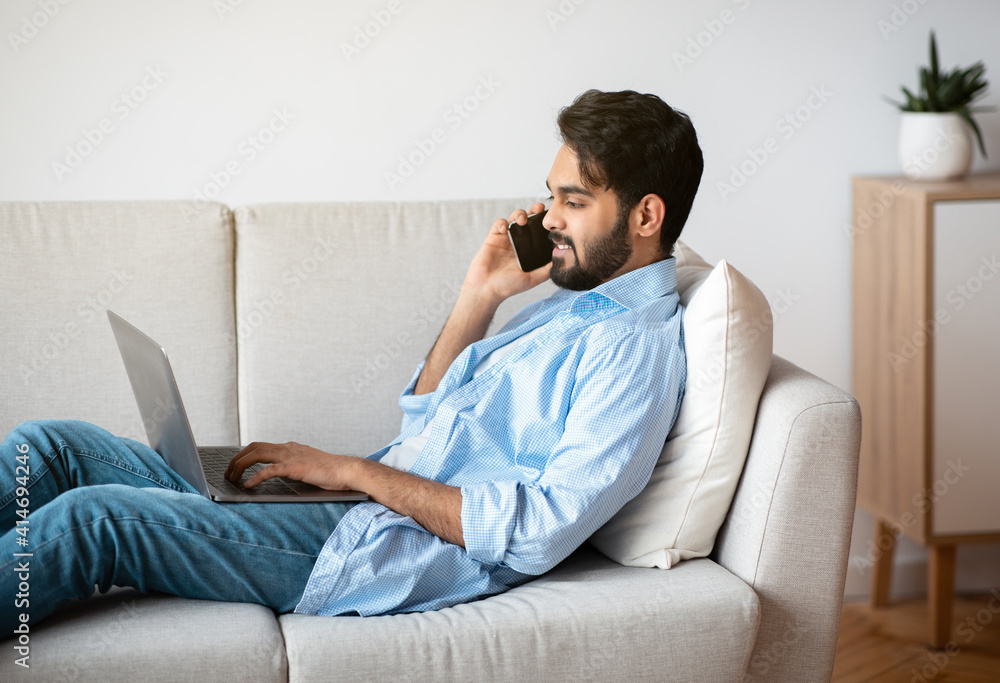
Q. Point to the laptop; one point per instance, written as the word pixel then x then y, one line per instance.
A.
pixel 170 435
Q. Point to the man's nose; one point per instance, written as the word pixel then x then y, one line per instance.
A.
pixel 552 219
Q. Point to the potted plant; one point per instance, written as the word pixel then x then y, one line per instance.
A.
pixel 934 141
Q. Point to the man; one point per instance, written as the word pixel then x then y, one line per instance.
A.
pixel 513 449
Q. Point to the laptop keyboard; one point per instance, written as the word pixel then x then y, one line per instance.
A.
pixel 215 461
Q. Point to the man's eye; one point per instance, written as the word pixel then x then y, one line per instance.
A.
pixel 572 205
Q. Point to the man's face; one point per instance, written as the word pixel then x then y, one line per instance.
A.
pixel 592 241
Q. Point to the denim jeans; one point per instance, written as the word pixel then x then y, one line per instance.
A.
pixel 109 512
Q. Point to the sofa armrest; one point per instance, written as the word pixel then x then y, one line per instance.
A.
pixel 788 531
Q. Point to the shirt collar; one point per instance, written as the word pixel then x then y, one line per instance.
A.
pixel 640 286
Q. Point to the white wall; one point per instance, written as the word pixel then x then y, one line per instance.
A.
pixel 210 76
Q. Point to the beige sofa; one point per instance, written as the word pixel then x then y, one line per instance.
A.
pixel 304 321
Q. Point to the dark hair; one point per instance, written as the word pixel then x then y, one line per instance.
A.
pixel 636 145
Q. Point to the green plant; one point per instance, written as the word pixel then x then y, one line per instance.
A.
pixel 952 91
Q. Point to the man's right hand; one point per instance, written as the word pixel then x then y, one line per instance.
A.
pixel 493 276
pixel 494 272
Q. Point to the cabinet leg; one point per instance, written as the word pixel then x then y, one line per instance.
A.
pixel 885 545
pixel 941 586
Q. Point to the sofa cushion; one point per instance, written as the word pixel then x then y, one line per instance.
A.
pixel 727 336
pixel 124 635
pixel 587 619
pixel 64 263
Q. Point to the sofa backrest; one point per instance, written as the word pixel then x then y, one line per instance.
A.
pixel 337 303
pixel 322 310
pixel 164 267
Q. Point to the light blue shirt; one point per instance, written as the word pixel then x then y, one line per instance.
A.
pixel 547 445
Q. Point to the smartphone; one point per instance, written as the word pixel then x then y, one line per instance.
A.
pixel 531 243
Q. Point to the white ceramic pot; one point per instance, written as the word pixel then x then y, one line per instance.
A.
pixel 934 146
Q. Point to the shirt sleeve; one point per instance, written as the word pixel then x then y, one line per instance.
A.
pixel 625 399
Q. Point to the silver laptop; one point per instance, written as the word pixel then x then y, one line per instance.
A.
pixel 170 435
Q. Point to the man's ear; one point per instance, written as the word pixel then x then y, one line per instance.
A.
pixel 648 215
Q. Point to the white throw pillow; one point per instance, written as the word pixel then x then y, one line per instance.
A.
pixel 727 338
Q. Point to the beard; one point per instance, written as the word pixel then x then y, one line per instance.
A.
pixel 605 256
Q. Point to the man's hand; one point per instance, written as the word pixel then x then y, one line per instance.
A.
pixel 494 272
pixel 493 276
pixel 434 506
pixel 295 461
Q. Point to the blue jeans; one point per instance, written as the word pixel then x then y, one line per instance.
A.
pixel 109 512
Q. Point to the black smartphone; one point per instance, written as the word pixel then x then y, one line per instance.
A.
pixel 531 243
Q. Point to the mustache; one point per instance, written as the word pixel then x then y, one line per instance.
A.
pixel 557 238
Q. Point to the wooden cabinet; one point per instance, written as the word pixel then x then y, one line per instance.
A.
pixel 926 338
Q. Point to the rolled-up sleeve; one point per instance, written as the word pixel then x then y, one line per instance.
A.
pixel 623 403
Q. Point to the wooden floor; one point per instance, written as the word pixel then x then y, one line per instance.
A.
pixel 889 643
